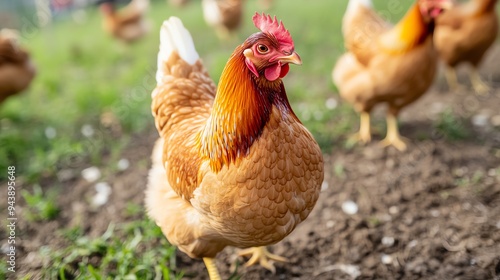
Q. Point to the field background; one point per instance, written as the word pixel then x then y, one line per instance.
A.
pixel 89 106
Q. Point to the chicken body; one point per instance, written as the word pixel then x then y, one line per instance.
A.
pixel 236 168
pixel 223 15
pixel 127 24
pixel 16 68
pixel 385 64
pixel 463 35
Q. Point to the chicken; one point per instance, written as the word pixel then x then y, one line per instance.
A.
pixel 234 166
pixel 16 68
pixel 385 64
pixel 127 24
pixel 464 34
pixel 223 15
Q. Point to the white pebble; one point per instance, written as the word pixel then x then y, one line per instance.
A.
pixel 330 224
pixel 480 120
pixel 492 172
pixel 91 174
pixel 123 164
pixel 50 132
pixel 350 207
pixel 100 199
pixel 386 259
pixel 331 103
pixel 103 187
pixel 412 243
pixel 435 213
pixel 393 210
pixel 87 130
pixel 324 186
pixel 498 225
pixel 388 241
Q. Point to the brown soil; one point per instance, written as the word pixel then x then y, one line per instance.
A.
pixel 432 212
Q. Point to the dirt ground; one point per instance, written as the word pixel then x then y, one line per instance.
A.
pixel 432 212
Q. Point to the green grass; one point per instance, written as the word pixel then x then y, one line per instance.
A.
pixel 83 74
pixel 135 250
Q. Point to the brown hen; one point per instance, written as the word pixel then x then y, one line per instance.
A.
pixel 16 68
pixel 463 35
pixel 385 64
pixel 234 166
pixel 127 24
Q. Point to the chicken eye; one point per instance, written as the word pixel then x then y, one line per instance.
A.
pixel 262 49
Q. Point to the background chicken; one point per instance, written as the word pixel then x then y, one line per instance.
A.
pixel 127 24
pixel 16 68
pixel 241 169
pixel 464 34
pixel 395 65
pixel 223 15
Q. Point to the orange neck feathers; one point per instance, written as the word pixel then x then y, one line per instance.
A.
pixel 241 109
pixel 410 31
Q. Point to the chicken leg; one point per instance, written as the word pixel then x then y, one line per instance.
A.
pixel 451 78
pixel 262 255
pixel 393 138
pixel 480 87
pixel 363 135
pixel 213 273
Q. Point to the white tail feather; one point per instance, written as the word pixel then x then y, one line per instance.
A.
pixel 175 37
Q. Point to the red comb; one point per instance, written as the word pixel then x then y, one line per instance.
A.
pixel 271 26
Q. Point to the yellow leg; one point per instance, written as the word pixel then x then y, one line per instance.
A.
pixel 363 135
pixel 393 138
pixel 451 78
pixel 213 273
pixel 262 255
pixel 480 87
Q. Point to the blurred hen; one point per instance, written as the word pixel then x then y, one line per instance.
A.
pixel 385 63
pixel 127 24
pixel 463 35
pixel 223 15
pixel 16 68
pixel 234 166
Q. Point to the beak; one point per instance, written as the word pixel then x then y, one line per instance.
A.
pixel 293 58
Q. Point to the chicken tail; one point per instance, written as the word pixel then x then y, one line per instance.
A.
pixel 174 37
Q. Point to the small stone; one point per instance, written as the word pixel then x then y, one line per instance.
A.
pixel 393 210
pixel 50 132
pixel 331 103
pixel 386 259
pixel 324 186
pixel 87 130
pixel 480 120
pixel 435 213
pixel 412 243
pixel 330 224
pixel 91 174
pixel 123 164
pixel 388 241
pixel 350 207
pixel 103 187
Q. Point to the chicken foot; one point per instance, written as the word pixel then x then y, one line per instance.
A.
pixel 393 138
pixel 480 87
pixel 261 255
pixel 363 135
pixel 213 273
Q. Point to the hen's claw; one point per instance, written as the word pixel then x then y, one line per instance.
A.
pixel 263 256
pixel 393 138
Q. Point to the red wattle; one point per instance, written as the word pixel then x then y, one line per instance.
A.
pixel 284 70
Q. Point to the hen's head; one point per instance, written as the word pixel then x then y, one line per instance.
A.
pixel 269 52
pixel 431 9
